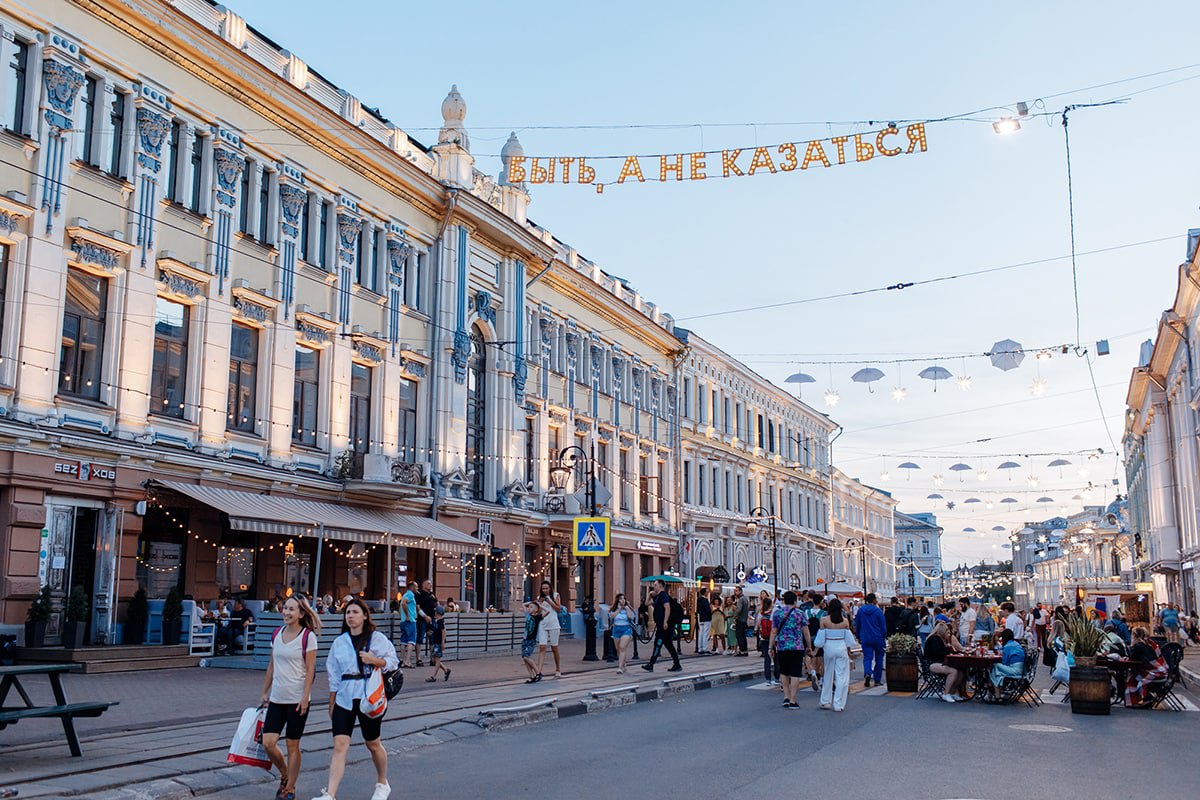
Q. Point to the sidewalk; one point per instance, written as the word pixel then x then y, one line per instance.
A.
pixel 174 726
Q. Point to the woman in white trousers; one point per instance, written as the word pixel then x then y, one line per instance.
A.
pixel 838 639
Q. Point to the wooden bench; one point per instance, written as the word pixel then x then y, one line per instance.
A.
pixel 67 713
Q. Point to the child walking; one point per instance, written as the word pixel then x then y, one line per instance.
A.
pixel 437 637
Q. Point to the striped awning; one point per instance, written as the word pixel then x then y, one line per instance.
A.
pixel 290 516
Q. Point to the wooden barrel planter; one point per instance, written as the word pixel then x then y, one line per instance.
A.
pixel 1090 688
pixel 902 673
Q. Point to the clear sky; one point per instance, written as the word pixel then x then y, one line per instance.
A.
pixel 974 201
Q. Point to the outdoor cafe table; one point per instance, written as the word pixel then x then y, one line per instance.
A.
pixel 1119 669
pixel 977 667
pixel 10 678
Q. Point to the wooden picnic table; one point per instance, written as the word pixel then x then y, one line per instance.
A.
pixel 10 678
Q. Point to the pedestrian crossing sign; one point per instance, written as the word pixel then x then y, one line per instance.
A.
pixel 591 537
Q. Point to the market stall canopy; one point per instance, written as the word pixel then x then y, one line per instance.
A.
pixel 836 587
pixel 670 579
pixel 289 516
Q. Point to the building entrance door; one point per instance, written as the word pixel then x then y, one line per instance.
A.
pixel 81 550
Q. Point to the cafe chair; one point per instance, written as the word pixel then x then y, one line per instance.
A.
pixel 1163 692
pixel 1172 653
pixel 932 684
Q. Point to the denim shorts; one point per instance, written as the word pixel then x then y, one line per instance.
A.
pixel 621 631
pixel 408 632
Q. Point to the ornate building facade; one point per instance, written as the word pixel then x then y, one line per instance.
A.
pixel 918 554
pixel 864 535
pixel 256 339
pixel 746 445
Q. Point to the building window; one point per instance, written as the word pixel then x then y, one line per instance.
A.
pixel 408 420
pixel 377 283
pixel 626 482
pixel 197 172
pixel 83 335
pixel 243 377
pixel 477 412
pixel 168 378
pixel 360 417
pixel 360 255
pixel 244 210
pixel 413 281
pixel 687 481
pixel 90 86
pixel 264 207
pixel 305 400
pixel 305 226
pixel 17 82
pixel 728 489
pixel 602 463
pixel 700 484
pixel 530 451
pixel 116 118
pixel 172 187
pixel 3 283
pixel 323 235
pixel 702 405
pixel 924 547
pixel 687 398
pixel 761 433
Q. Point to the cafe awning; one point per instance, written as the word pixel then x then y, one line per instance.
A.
pixel 290 516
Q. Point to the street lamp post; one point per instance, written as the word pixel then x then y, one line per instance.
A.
pixel 854 543
pixel 902 562
pixel 568 459
pixel 757 515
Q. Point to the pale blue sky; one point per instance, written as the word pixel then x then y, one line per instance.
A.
pixel 973 201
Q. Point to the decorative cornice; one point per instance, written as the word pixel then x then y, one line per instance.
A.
pixel 251 311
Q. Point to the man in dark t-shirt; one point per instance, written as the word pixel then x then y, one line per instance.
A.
pixel 237 624
pixel 891 615
pixel 426 609
pixel 663 635
pixel 703 621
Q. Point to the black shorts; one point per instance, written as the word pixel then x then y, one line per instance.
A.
pixel 790 663
pixel 343 723
pixel 284 716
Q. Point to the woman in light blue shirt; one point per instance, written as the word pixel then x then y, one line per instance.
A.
pixel 351 659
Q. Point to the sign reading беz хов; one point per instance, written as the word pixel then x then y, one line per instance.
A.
pixel 696 167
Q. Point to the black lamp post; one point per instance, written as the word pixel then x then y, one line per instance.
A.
pixel 568 459
pixel 757 515
pixel 854 543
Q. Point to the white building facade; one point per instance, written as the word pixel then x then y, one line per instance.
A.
pixel 748 445
pixel 918 554
pixel 863 526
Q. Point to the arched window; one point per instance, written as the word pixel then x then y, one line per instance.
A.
pixel 476 412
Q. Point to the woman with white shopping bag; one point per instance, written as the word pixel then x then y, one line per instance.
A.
pixel 353 660
pixel 288 689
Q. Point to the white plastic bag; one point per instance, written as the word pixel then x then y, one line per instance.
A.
pixel 246 747
pixel 1062 668
pixel 374 704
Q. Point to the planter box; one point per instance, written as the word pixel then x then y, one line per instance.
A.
pixel 35 634
pixel 903 673
pixel 72 637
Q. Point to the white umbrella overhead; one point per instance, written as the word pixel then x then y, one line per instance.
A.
pixel 800 378
pixel 1006 354
pixel 1060 463
pixel 968 530
pixel 999 528
pixel 867 375
pixel 934 496
pixel 1010 500
pixel 934 374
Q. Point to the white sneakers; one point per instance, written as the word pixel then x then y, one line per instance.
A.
pixel 382 790
pixel 949 698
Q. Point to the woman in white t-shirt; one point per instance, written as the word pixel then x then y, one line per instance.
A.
pixel 288 689
pixel 549 629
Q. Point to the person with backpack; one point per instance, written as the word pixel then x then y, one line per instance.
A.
pixel 815 662
pixel 355 653
pixel 787 643
pixel 287 689
pixel 909 619
pixel 762 630
pixel 664 630
pixel 437 640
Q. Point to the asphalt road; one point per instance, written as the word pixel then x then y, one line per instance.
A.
pixel 737 742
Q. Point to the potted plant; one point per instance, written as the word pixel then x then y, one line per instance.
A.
pixel 172 617
pixel 40 612
pixel 902 669
pixel 1090 684
pixel 77 614
pixel 136 616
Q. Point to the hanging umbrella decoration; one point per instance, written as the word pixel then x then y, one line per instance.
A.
pixel 1009 465
pixel 908 467
pixel 934 374
pixel 999 528
pixel 960 467
pixel 1010 500
pixel 1006 354
pixel 800 378
pixel 867 375
pixel 1060 463
pixel 934 496
pixel 968 530
pixel 970 501
pixel 1045 499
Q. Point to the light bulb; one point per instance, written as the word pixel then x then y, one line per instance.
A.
pixel 983 476
pixel 1037 387
pixel 885 476
pixel 832 398
pixel 938 480
pixel 1032 480
pixel 964 382
pixel 899 393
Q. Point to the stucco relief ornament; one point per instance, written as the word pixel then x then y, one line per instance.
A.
pixel 520 377
pixel 152 130
pixel 462 350
pixel 483 306
pixel 348 230
pixel 398 253
pixel 229 168
pixel 62 86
